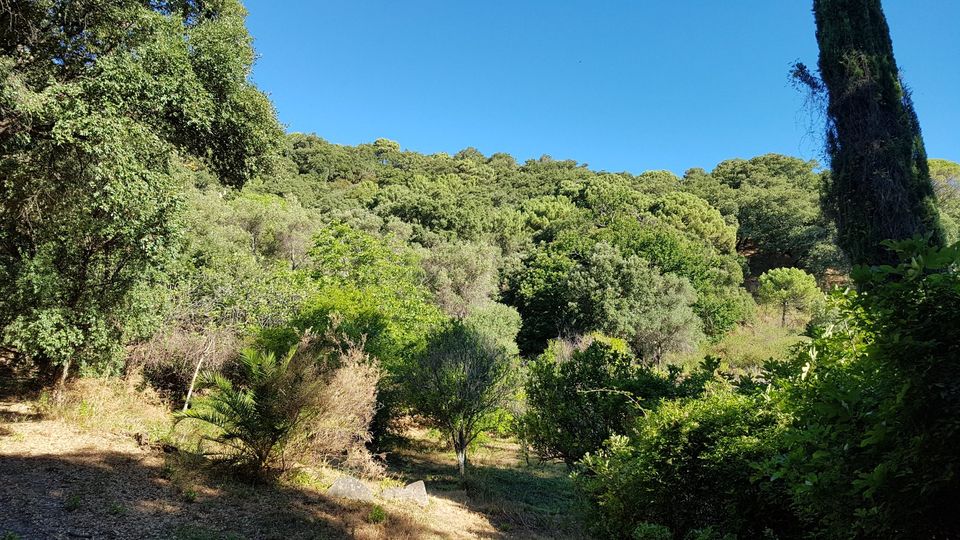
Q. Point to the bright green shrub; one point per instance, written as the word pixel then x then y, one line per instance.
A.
pixel 578 395
pixel 687 465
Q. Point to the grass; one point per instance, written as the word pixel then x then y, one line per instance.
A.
pixel 123 406
pixel 748 346
pixel 524 500
pixel 502 496
pixel 377 515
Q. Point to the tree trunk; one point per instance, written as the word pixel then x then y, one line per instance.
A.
pixel 462 461
pixel 60 391
pixel 460 447
pixel 193 382
pixel 783 316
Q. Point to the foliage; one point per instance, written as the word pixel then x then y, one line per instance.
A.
pixel 775 202
pixel 97 105
pixel 879 185
pixel 465 373
pixel 686 466
pixel 789 288
pixel 625 297
pixel 268 406
pixel 872 447
pixel 580 394
pixel 461 276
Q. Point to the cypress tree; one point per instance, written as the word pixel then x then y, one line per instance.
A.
pixel 880 186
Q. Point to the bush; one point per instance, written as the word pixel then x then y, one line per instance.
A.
pixel 169 359
pixel 689 465
pixel 579 394
pixel 263 411
pixel 313 402
pixel 872 451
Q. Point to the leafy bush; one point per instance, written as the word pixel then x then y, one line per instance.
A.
pixel 465 374
pixel 689 464
pixel 579 394
pixel 876 405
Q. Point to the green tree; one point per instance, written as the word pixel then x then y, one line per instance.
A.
pixel 789 288
pixel 97 104
pixel 880 185
pixel 624 297
pixel 465 373
pixel 461 276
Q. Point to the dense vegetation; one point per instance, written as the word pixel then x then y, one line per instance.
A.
pixel 156 219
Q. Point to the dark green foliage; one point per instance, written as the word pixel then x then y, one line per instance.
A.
pixel 775 202
pixel 99 101
pixel 689 465
pixel 580 394
pixel 880 186
pixel 872 449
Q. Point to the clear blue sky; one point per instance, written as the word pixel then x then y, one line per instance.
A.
pixel 620 84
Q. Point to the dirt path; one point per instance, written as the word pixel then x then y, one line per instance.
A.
pixel 60 482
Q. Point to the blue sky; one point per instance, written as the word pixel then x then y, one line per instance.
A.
pixel 623 85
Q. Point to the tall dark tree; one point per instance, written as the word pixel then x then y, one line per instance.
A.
pixel 880 187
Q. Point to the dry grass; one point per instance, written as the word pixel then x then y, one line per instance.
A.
pixel 121 406
pixel 80 471
pixel 748 346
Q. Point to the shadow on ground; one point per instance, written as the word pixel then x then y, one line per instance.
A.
pixel 117 495
pixel 520 500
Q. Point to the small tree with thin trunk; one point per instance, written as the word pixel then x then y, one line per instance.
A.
pixel 788 288
pixel 464 374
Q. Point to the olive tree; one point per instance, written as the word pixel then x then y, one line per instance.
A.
pixel 465 373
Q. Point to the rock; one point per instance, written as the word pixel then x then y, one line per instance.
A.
pixel 347 487
pixel 416 492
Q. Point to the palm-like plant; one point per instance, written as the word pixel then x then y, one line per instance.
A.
pixel 259 415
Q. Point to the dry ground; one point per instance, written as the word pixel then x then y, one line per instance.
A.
pixel 78 475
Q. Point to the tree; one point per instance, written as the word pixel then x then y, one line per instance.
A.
pixel 880 185
pixel 98 104
pixel 788 288
pixel 465 373
pixel 461 276
pixel 624 297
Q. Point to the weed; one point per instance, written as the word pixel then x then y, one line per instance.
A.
pixel 10 535
pixel 377 515
pixel 117 509
pixel 72 503
pixel 190 495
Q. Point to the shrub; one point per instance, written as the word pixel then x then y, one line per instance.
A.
pixel 688 465
pixel 315 402
pixel 170 359
pixel 268 406
pixel 872 451
pixel 465 374
pixel 579 394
